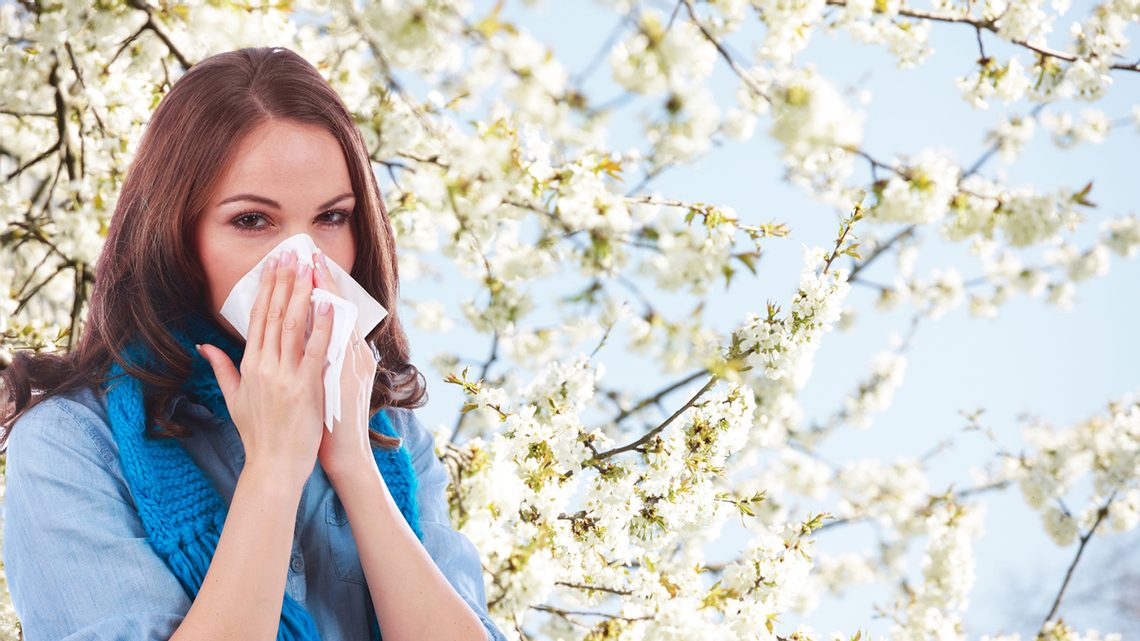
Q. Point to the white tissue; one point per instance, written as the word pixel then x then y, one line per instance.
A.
pixel 358 308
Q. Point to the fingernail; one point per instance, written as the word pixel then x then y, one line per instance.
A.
pixel 198 348
pixel 324 307
pixel 272 264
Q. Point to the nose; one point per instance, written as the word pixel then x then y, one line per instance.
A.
pixel 307 252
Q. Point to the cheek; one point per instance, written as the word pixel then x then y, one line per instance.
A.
pixel 222 267
pixel 345 260
pixel 343 254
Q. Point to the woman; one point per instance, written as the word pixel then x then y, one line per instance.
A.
pixel 159 490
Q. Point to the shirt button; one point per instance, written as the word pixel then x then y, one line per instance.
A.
pixel 297 564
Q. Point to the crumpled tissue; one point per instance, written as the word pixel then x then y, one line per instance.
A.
pixel 357 308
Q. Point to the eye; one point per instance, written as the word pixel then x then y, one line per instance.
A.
pixel 246 216
pixel 344 216
pixel 246 221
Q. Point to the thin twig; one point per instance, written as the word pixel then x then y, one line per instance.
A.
pixel 153 26
pixel 484 369
pixel 741 73
pixel 1084 541
pixel 657 396
pixel 991 26
pixel 657 430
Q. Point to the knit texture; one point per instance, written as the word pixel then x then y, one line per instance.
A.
pixel 181 511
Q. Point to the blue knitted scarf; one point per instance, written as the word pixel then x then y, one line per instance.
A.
pixel 182 512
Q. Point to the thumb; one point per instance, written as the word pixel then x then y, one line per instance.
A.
pixel 224 370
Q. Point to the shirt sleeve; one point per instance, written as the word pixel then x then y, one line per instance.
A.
pixel 454 554
pixel 78 564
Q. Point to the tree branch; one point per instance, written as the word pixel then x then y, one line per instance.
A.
pixel 1084 541
pixel 989 25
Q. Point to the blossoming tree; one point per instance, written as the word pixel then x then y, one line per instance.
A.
pixel 595 528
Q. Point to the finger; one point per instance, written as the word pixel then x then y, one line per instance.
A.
pixel 367 362
pixel 282 289
pixel 297 318
pixel 360 348
pixel 260 306
pixel 365 352
pixel 354 338
pixel 359 352
pixel 352 358
pixel 324 276
pixel 318 346
pixel 224 370
pixel 367 355
pixel 373 353
pixel 368 359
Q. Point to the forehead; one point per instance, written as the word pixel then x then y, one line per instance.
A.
pixel 287 157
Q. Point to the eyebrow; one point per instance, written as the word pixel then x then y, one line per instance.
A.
pixel 273 203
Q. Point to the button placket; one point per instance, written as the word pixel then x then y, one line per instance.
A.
pixel 342 546
pixel 296 584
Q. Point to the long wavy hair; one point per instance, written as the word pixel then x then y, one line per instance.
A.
pixel 148 275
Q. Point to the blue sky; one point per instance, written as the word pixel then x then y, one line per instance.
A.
pixel 1059 365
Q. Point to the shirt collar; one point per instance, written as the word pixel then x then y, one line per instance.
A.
pixel 196 410
pixel 173 406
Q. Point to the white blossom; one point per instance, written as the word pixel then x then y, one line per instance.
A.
pixel 919 191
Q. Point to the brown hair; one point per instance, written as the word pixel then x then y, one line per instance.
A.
pixel 148 275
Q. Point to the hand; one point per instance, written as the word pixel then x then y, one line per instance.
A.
pixel 348 446
pixel 277 400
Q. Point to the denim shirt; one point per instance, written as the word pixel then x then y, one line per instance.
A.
pixel 79 566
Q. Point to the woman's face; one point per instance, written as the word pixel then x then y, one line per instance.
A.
pixel 286 178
